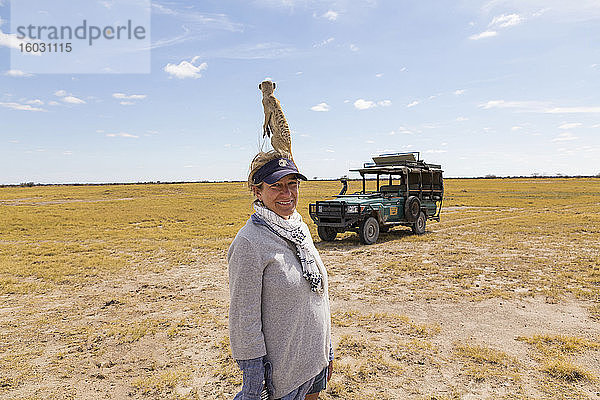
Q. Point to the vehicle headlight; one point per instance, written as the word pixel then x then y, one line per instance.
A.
pixel 352 209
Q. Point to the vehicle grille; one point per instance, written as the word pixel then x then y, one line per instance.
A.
pixel 329 208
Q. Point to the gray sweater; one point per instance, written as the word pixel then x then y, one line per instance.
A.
pixel 273 312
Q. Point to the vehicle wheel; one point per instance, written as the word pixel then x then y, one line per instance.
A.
pixel 369 231
pixel 412 208
pixel 418 227
pixel 326 233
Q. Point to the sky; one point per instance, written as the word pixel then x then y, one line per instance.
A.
pixel 500 87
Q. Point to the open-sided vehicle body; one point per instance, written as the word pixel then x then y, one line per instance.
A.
pixel 408 193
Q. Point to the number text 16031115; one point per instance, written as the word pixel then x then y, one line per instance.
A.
pixel 37 47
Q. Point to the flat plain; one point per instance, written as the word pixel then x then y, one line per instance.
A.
pixel 120 292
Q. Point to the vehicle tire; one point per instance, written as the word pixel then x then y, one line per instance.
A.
pixel 418 227
pixel 412 208
pixel 368 231
pixel 326 233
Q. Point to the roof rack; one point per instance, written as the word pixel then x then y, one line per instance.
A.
pixel 396 158
pixel 395 162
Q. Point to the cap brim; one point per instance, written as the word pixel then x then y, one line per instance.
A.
pixel 277 175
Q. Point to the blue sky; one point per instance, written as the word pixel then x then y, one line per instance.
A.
pixel 500 87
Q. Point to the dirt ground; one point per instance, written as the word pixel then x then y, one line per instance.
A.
pixel 76 356
pixel 473 309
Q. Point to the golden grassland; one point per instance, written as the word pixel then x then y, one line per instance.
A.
pixel 121 291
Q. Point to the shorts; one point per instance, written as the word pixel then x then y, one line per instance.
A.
pixel 320 382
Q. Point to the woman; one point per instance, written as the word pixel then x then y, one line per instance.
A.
pixel 279 320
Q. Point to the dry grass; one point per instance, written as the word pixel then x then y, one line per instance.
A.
pixel 122 291
pixel 554 353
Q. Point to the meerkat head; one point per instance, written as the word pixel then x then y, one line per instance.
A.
pixel 267 87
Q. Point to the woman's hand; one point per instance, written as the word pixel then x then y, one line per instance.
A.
pixel 329 370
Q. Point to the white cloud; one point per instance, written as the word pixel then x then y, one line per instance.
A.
pixel 516 128
pixel 53 103
pixel 435 151
pixel 458 92
pixel 186 69
pixel 461 119
pixel 573 110
pixel 36 102
pixel 330 15
pixel 506 20
pixel 553 10
pixel 127 103
pixel 21 107
pixel 60 93
pixel 123 96
pixel 122 134
pixel 483 35
pixel 324 42
pixel 193 24
pixel 369 141
pixel 541 12
pixel 378 75
pixel 323 107
pixel 353 47
pixel 10 40
pixel 363 104
pixel 17 73
pixel 570 125
pixel 527 106
pixel 412 104
pixel 402 130
pixel 539 107
pixel 258 51
pixel 502 21
pixel 73 100
pixel 564 137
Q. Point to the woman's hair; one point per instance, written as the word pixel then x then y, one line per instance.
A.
pixel 259 160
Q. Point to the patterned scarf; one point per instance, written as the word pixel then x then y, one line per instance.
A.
pixel 296 231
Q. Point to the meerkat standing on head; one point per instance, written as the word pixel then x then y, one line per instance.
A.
pixel 275 125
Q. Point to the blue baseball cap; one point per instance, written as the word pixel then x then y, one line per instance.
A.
pixel 276 169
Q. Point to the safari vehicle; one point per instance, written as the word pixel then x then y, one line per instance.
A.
pixel 412 193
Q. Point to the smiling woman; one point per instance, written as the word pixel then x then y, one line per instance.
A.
pixel 279 318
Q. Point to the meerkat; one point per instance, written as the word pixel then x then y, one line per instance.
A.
pixel 275 125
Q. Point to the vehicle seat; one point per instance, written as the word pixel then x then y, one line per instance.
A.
pixel 390 189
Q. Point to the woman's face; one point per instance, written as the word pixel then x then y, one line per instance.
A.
pixel 280 197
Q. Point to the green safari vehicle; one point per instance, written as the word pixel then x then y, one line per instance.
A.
pixel 411 193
